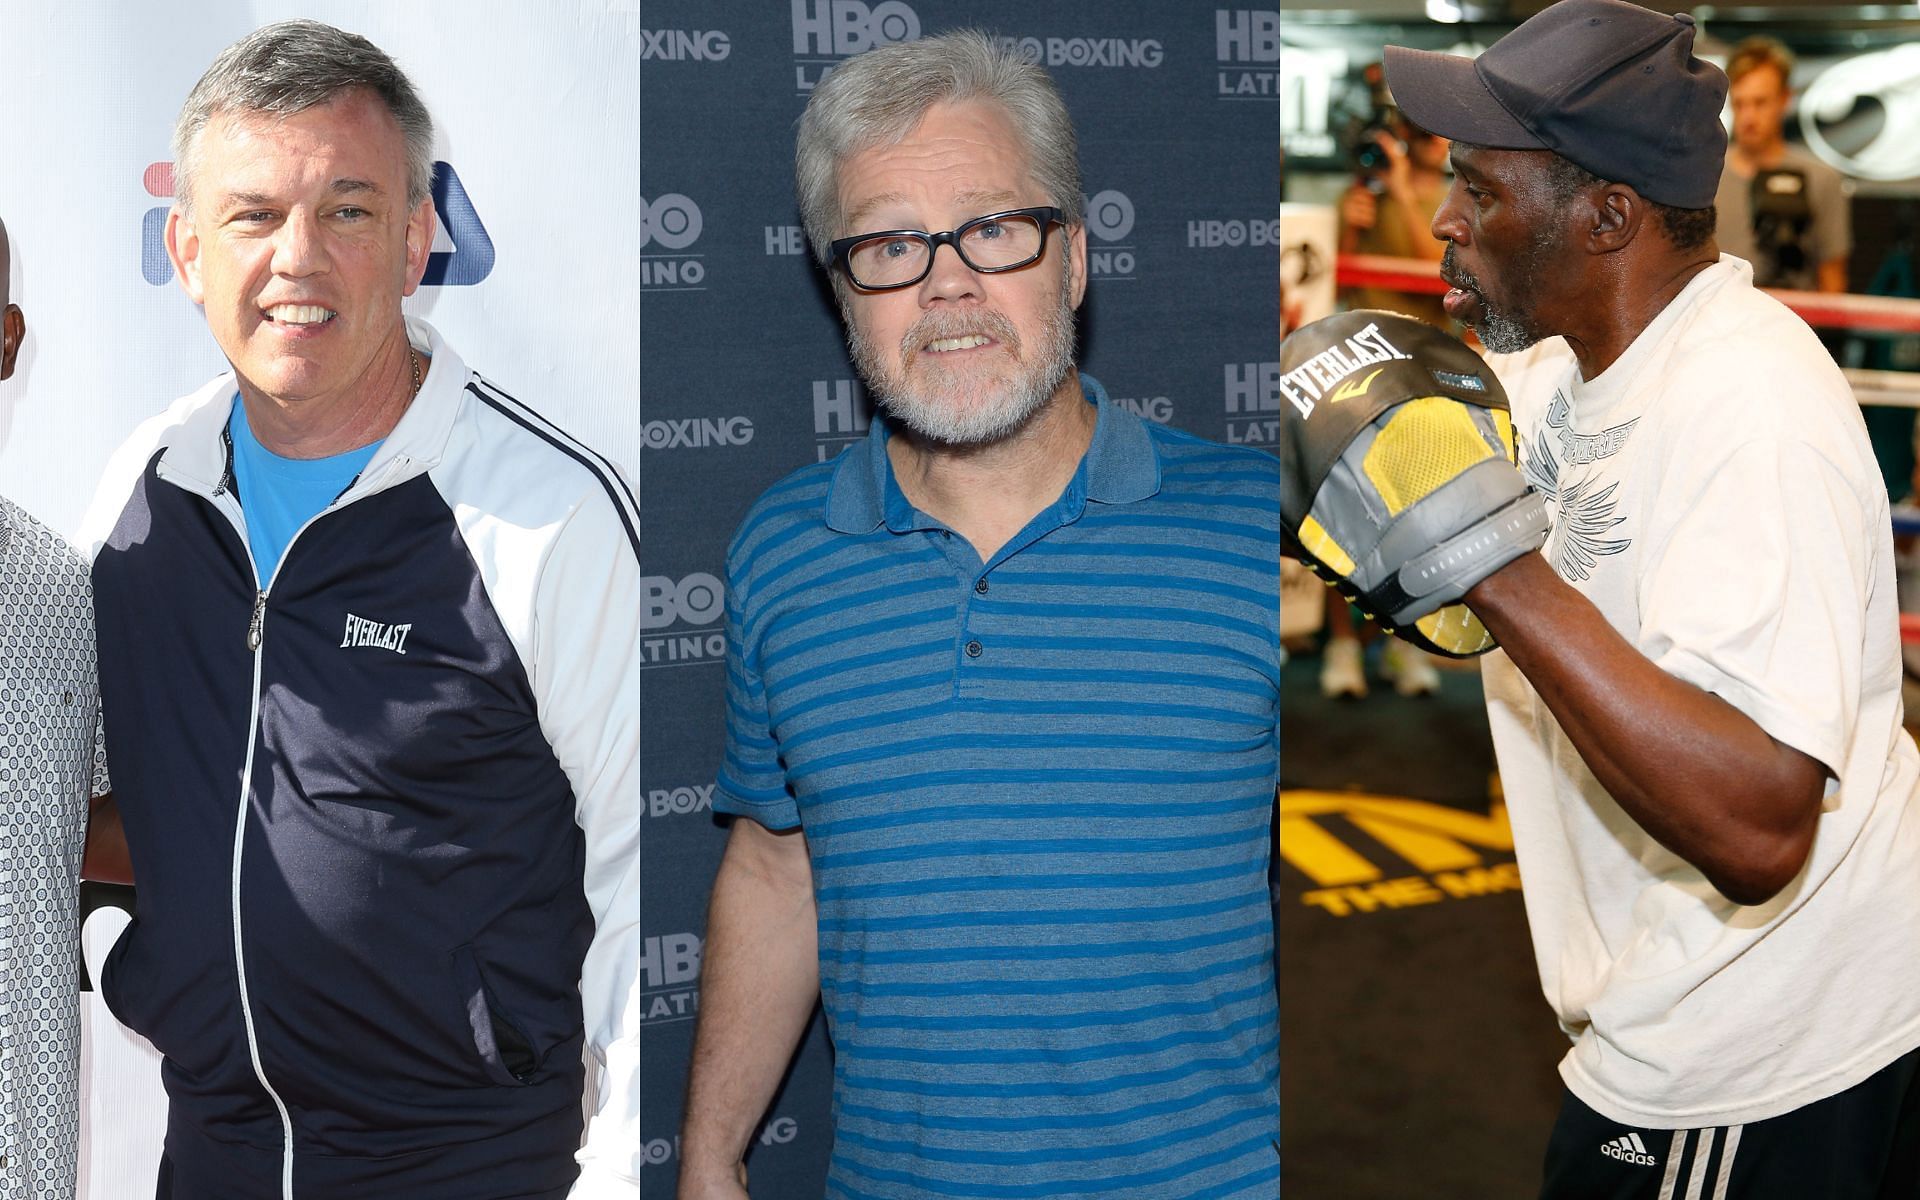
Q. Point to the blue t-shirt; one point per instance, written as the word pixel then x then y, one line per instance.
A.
pixel 1038 797
pixel 279 495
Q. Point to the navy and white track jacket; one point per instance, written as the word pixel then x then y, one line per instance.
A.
pixel 383 807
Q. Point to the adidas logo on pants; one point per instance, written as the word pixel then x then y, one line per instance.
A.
pixel 1629 1149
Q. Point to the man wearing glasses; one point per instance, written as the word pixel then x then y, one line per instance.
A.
pixel 1003 705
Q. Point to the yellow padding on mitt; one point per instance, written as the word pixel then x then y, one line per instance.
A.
pixel 1315 539
pixel 1424 443
pixel 1455 630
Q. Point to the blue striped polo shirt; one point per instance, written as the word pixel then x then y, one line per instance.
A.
pixel 1037 795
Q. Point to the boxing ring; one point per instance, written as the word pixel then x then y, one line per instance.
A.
pixel 1822 310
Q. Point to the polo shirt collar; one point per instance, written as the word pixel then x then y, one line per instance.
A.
pixel 1121 466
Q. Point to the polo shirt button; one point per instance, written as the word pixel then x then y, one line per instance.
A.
pixel 981 585
pixel 975 649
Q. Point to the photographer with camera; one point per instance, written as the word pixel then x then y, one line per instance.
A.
pixel 1781 209
pixel 1401 181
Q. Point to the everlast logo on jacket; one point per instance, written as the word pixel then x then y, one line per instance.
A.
pixel 362 632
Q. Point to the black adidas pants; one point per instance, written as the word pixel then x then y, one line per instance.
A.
pixel 1862 1144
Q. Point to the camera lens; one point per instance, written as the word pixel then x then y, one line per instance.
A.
pixel 1364 146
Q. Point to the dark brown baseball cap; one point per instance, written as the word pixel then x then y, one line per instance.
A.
pixel 1611 86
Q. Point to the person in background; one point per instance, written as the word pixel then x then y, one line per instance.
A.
pixel 1781 209
pixel 50 763
pixel 1389 211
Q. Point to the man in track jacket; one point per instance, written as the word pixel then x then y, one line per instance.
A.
pixel 370 628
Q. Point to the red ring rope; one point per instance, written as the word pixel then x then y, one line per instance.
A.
pixel 1823 310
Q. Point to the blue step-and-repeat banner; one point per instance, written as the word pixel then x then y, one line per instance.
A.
pixel 744 373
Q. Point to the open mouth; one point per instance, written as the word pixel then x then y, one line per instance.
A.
pixel 1463 296
pixel 1460 303
pixel 947 345
pixel 299 314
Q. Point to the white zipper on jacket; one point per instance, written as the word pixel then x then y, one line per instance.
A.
pixel 221 496
pixel 254 638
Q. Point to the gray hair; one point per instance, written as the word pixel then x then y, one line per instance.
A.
pixel 876 98
pixel 287 68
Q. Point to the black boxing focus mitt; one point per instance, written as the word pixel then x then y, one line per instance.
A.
pixel 1398 483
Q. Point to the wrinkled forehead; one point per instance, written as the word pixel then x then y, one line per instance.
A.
pixel 351 120
pixel 349 138
pixel 969 152
pixel 1484 164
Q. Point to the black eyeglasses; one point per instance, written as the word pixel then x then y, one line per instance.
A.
pixel 896 258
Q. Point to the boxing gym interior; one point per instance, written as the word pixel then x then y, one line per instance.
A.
pixel 1419 1055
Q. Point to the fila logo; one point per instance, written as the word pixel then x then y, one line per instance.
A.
pixel 462 253
pixel 362 632
pixel 1629 1149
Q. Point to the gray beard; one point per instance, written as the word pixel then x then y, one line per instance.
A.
pixel 955 414
pixel 1501 331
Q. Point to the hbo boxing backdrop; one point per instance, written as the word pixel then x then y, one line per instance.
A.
pixel 744 375
pixel 535 280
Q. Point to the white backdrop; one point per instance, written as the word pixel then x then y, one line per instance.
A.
pixel 537 108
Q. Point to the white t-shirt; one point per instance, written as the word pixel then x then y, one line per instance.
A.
pixel 1713 493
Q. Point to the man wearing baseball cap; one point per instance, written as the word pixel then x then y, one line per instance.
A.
pixel 1696 707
